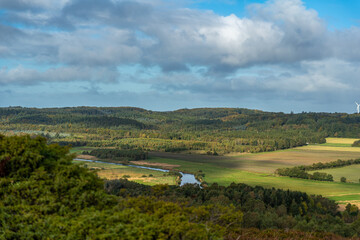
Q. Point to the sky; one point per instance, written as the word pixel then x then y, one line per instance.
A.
pixel 276 55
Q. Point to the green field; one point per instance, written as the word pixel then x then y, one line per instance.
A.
pixel 225 176
pixel 337 144
pixel 352 173
pixel 258 169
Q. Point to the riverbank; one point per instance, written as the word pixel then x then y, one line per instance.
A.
pixel 185 177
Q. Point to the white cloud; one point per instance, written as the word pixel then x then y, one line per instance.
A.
pixel 33 4
pixel 283 50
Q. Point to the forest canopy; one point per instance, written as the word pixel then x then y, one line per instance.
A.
pixel 205 130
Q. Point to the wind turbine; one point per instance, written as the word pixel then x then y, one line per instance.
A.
pixel 357 107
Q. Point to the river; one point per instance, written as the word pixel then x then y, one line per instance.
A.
pixel 186 177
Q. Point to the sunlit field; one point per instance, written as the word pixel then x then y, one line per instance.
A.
pixel 351 173
pixel 258 169
pixel 145 176
pixel 253 169
pixel 341 140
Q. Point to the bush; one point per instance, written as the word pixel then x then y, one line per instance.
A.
pixel 21 156
pixel 119 154
pixel 343 179
pixel 356 144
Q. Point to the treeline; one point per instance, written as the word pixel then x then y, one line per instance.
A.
pixel 300 171
pixel 209 130
pixel 262 208
pixel 88 121
pixel 333 164
pixel 119 154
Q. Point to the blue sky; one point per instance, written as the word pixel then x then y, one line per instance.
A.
pixel 277 55
pixel 337 13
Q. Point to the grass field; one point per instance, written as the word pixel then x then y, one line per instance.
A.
pixel 225 176
pixel 149 177
pixel 258 169
pixel 352 173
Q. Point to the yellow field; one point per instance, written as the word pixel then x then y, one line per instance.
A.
pixel 331 148
pixel 110 172
pixel 341 140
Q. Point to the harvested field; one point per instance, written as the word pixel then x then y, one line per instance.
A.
pixel 87 157
pixel 145 176
pixel 341 140
pixel 270 161
pixel 153 164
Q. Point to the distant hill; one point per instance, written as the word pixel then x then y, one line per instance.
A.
pixel 212 130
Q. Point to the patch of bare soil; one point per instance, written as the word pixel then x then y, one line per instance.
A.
pixel 87 157
pixel 342 206
pixel 185 157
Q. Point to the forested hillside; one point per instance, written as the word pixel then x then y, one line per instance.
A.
pixel 208 130
pixel 44 196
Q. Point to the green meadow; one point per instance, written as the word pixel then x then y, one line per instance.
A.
pixel 258 168
pixel 254 169
pixel 351 173
pixel 225 176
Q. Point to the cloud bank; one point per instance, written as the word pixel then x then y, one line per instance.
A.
pixel 281 51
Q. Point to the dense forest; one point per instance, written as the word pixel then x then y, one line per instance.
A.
pixel 118 154
pixel 205 130
pixel 44 196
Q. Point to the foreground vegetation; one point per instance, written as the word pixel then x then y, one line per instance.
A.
pixel 43 195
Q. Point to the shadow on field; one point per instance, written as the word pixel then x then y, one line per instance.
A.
pixel 261 166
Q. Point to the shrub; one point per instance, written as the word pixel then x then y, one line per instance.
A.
pixel 356 144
